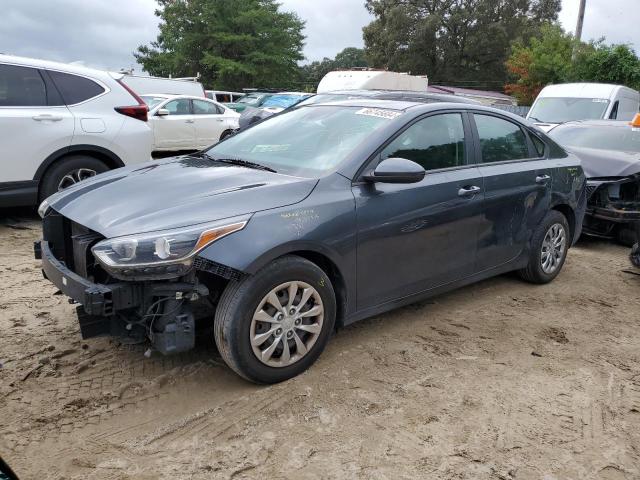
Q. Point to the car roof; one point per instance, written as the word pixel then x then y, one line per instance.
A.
pixel 406 95
pixel 63 67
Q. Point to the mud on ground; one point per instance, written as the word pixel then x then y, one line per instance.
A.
pixel 501 380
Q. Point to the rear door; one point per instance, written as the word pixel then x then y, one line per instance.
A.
pixel 34 122
pixel 175 131
pixel 414 237
pixel 517 187
pixel 209 122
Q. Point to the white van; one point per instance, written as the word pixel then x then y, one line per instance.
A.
pixel 168 86
pixel 365 79
pixel 583 101
pixel 223 97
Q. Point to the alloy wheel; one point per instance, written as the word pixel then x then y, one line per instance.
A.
pixel 554 247
pixel 74 177
pixel 286 324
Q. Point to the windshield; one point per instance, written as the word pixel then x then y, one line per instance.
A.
pixel 306 141
pixel 560 110
pixel 282 101
pixel 623 138
pixel 152 101
pixel 253 99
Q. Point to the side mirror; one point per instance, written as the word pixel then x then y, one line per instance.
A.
pixel 396 170
pixel 162 112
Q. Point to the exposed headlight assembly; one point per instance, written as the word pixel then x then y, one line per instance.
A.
pixel 168 251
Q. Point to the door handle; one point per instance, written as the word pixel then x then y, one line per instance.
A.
pixel 189 121
pixel 542 179
pixel 47 117
pixel 469 191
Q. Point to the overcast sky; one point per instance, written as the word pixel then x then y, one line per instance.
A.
pixel 104 33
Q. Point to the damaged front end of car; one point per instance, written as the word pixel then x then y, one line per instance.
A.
pixel 613 206
pixel 135 287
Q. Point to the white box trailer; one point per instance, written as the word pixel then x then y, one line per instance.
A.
pixel 169 86
pixel 366 79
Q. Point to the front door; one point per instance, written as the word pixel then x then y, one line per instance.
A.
pixel 414 237
pixel 517 189
pixel 175 131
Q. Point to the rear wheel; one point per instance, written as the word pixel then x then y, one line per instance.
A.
pixel 68 172
pixel 549 247
pixel 225 134
pixel 273 325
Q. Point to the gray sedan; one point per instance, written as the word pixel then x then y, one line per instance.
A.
pixel 308 221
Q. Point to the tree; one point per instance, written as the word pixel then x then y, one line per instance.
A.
pixel 231 43
pixel 350 57
pixel 543 61
pixel 557 57
pixel 452 41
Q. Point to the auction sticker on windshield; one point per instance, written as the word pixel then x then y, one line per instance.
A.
pixel 270 148
pixel 379 112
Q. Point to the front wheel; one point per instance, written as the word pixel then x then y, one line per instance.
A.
pixel 273 325
pixel 69 171
pixel 549 247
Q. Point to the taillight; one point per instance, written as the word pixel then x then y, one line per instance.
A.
pixel 139 112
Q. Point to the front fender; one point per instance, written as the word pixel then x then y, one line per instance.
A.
pixel 323 224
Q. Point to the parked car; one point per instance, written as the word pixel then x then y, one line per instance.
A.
pixel 60 124
pixel 610 154
pixel 274 104
pixel 252 99
pixel 313 219
pixel 223 97
pixel 567 102
pixel 144 85
pixel 181 122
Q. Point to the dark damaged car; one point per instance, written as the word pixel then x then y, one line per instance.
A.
pixel 313 219
pixel 610 155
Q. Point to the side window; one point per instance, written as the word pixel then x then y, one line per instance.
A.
pixel 179 107
pixel 433 142
pixel 200 107
pixel 75 89
pixel 538 145
pixel 614 111
pixel 500 139
pixel 628 109
pixel 21 87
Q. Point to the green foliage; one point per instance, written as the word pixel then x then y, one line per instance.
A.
pixel 452 41
pixel 231 43
pixel 556 57
pixel 350 57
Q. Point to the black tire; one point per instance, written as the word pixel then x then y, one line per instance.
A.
pixel 534 272
pixel 65 166
pixel 238 303
pixel 626 236
pixel 226 134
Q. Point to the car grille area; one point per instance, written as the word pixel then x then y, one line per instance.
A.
pixel 71 243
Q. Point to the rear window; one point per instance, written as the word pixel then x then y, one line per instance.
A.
pixel 21 87
pixel 75 89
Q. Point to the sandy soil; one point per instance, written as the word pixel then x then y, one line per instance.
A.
pixel 501 380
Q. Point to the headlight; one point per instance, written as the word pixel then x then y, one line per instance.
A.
pixel 42 209
pixel 177 246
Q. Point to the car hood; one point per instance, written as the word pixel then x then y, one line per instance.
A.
pixel 607 163
pixel 174 193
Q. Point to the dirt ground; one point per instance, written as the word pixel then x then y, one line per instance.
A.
pixel 501 380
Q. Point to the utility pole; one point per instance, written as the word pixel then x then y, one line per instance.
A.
pixel 580 19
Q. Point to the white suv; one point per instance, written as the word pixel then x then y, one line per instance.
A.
pixel 60 124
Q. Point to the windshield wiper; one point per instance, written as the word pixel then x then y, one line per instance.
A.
pixel 536 119
pixel 241 163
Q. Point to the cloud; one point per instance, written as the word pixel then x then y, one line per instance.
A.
pixel 616 20
pixel 98 33
pixel 105 33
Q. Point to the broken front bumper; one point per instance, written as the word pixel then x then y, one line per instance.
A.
pixel 97 299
